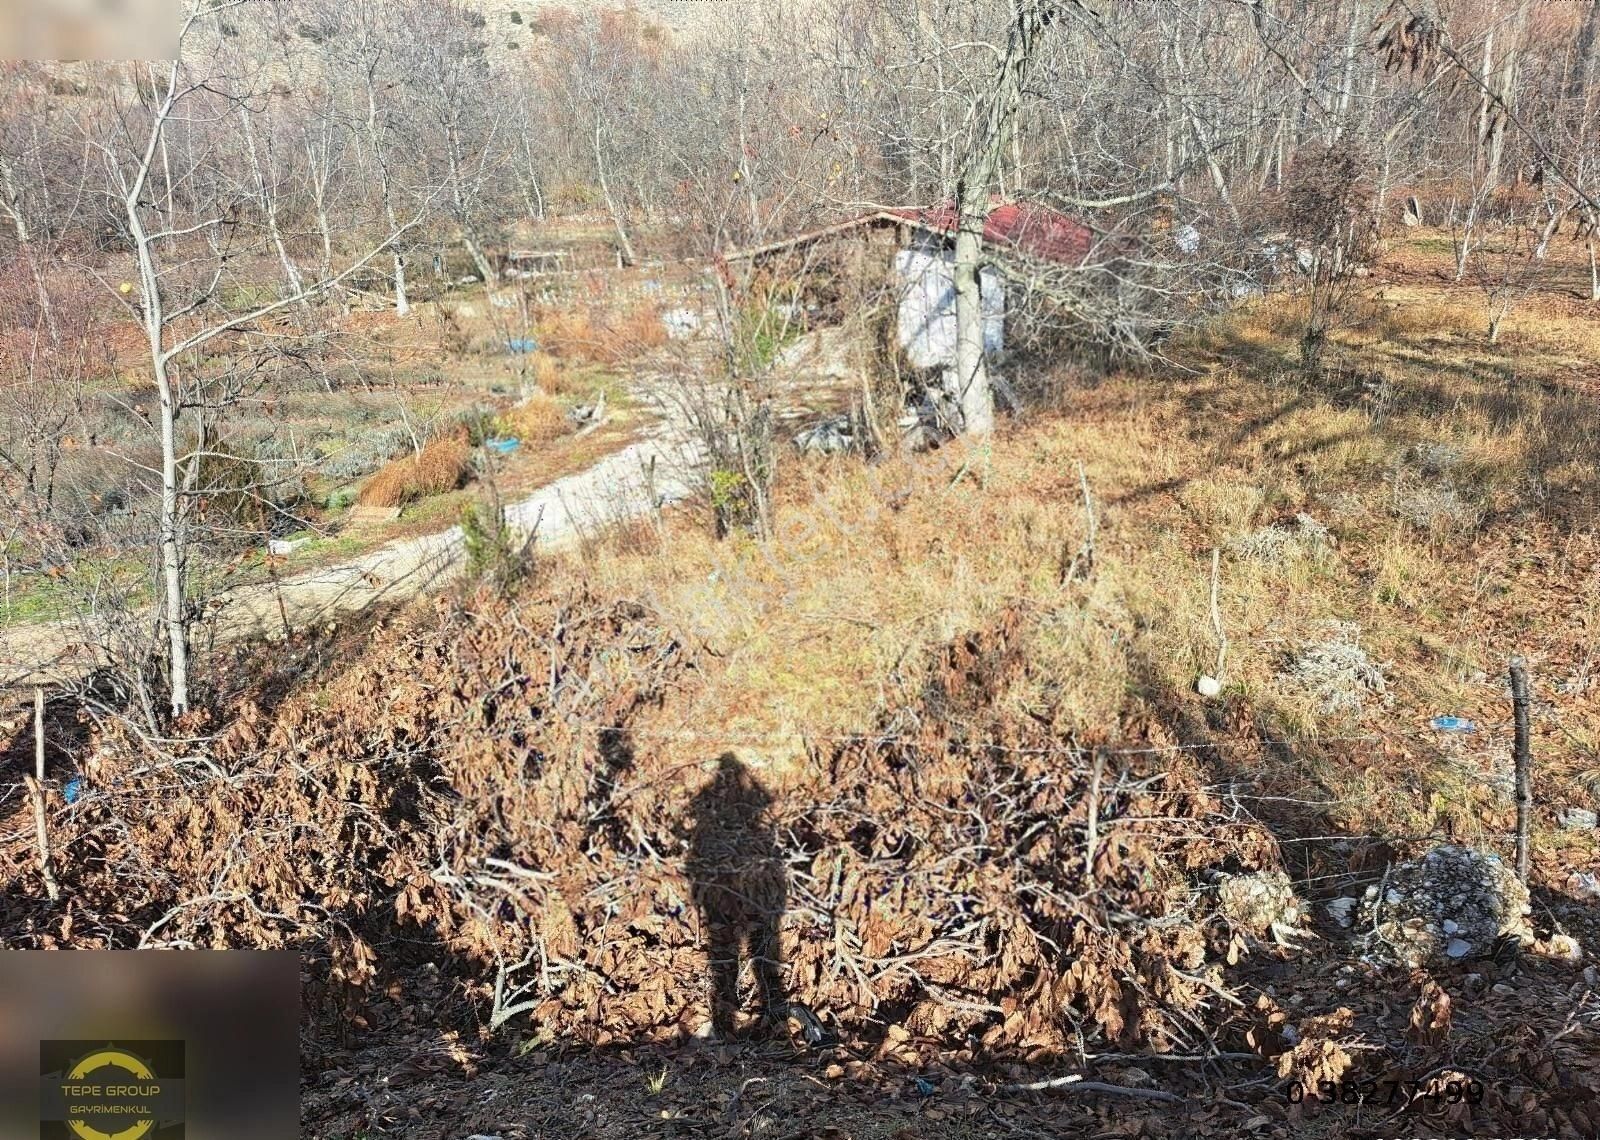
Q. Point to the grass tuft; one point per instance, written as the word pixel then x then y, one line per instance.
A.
pixel 442 465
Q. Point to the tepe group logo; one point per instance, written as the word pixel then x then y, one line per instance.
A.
pixel 104 1090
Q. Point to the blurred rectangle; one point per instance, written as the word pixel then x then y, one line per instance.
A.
pixel 88 29
pixel 221 1026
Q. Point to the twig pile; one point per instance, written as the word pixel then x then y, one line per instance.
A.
pixel 473 783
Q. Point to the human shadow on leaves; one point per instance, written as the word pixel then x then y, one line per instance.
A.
pixel 740 891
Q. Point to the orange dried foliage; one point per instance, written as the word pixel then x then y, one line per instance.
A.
pixel 496 747
pixel 442 465
pixel 596 335
pixel 538 419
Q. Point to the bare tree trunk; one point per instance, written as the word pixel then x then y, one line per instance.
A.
pixel 1202 137
pixel 1347 81
pixel 269 204
pixel 1506 92
pixel 611 203
pixel 469 237
pixel 170 538
pixel 11 202
pixel 1485 102
pixel 318 171
pixel 1029 20
pixel 402 305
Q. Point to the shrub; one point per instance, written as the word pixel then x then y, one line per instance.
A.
pixel 442 465
pixel 566 333
pixel 1327 211
pixel 365 452
pixel 538 419
pixel 598 336
pixel 1336 673
pixel 493 553
pixel 547 374
pixel 623 336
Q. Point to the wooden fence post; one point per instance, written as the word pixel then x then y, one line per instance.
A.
pixel 1523 760
pixel 35 784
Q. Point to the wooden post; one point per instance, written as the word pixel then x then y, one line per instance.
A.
pixel 1093 838
pixel 1523 759
pixel 36 789
pixel 38 734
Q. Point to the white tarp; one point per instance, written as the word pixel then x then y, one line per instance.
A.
pixel 928 307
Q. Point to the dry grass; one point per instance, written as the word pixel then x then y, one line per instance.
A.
pixel 566 333
pixel 442 465
pixel 627 334
pixel 548 373
pixel 538 419
pixel 1456 535
pixel 596 334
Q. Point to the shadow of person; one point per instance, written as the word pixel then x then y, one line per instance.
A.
pixel 740 890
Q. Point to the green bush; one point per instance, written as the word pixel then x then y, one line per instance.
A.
pixel 493 554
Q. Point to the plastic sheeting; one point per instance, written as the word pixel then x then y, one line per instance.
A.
pixel 928 307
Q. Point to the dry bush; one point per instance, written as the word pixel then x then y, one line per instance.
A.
pixel 597 335
pixel 626 335
pixel 1415 320
pixel 547 373
pixel 566 333
pixel 488 780
pixel 442 465
pixel 538 419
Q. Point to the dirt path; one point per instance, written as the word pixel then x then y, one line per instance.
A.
pixel 644 476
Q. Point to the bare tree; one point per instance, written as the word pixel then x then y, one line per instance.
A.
pixel 998 117
pixel 183 265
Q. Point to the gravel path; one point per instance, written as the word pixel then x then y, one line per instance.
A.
pixel 644 476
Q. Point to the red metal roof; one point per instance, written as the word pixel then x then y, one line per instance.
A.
pixel 1037 231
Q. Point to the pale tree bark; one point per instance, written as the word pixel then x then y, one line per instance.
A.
pixel 1579 83
pixel 611 203
pixel 267 196
pixel 16 210
pixel 1509 59
pixel 998 119
pixel 178 316
pixel 370 56
pixel 174 614
pixel 319 170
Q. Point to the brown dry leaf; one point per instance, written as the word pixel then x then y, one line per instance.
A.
pixel 1430 1015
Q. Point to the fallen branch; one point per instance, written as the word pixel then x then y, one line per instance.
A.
pixel 1077 1084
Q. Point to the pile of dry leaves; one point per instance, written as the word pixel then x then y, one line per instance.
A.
pixel 473 783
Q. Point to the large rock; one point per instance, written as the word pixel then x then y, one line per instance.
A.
pixel 1262 904
pixel 1453 903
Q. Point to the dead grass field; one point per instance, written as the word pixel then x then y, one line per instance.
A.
pixel 1455 481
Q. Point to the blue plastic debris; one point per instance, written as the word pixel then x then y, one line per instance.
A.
pixel 72 789
pixel 521 345
pixel 502 446
pixel 924 1086
pixel 1453 724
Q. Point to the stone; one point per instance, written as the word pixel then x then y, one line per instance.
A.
pixel 1443 907
pixel 831 437
pixel 1577 819
pixel 1262 903
pixel 1343 910
pixel 1584 884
